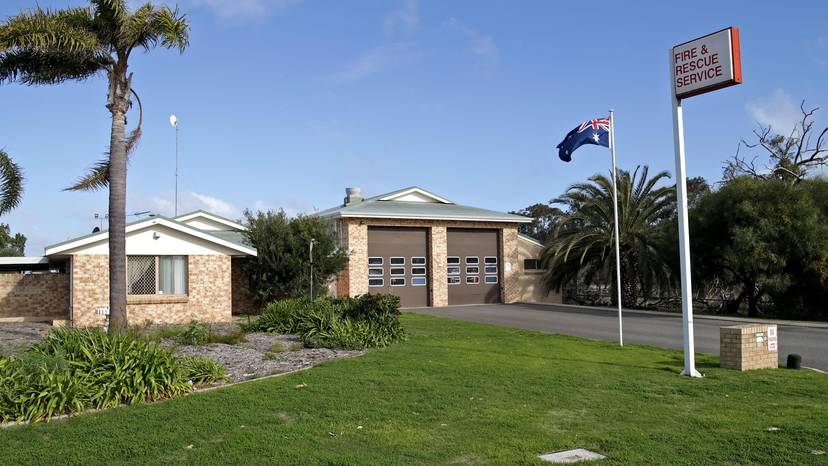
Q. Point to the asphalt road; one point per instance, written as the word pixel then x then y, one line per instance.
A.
pixel 663 330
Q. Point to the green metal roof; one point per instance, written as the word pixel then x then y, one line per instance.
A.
pixel 374 207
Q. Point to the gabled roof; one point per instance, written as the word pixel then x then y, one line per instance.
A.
pixel 230 239
pixel 210 216
pixel 530 239
pixel 417 203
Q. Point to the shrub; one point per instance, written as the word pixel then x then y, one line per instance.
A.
pixel 202 370
pixel 76 369
pixel 195 334
pixel 279 317
pixel 231 338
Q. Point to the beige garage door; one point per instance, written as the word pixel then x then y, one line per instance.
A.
pixel 473 266
pixel 398 264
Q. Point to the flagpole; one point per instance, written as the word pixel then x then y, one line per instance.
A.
pixel 617 234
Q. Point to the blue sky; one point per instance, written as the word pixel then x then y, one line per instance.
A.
pixel 284 103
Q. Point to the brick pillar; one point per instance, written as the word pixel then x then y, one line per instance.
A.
pixel 356 234
pixel 509 282
pixel 438 250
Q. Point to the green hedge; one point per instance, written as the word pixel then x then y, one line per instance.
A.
pixel 367 321
pixel 76 369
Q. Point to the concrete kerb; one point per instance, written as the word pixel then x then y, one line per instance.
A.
pixel 791 323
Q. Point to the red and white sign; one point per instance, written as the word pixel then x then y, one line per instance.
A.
pixel 773 339
pixel 706 64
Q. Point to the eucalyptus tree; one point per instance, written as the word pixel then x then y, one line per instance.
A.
pixel 11 183
pixel 582 245
pixel 42 47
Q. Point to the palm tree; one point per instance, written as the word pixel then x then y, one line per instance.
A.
pixel 11 183
pixel 39 47
pixel 582 248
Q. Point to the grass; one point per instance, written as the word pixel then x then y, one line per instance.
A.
pixel 461 393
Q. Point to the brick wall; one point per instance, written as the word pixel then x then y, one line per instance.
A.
pixel 42 295
pixel 209 297
pixel 354 279
pixel 242 302
pixel 745 347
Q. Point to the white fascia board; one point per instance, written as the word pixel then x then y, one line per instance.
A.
pixel 25 260
pixel 529 239
pixel 431 217
pixel 418 191
pixel 149 222
pixel 223 221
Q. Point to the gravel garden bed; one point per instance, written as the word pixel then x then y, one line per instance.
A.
pixel 261 354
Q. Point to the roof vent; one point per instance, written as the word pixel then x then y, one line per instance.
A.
pixel 353 196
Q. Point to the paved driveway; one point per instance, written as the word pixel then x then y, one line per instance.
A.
pixel 654 329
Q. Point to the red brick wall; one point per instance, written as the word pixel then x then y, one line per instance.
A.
pixel 43 295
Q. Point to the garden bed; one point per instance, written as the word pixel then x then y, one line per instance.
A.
pixel 260 355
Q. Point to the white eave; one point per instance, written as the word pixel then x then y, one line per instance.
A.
pixel 27 260
pixel 430 217
pixel 104 235
pixel 417 191
pixel 215 218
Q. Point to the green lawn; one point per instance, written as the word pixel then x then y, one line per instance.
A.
pixel 463 393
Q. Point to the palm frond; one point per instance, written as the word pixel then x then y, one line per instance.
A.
pixel 67 30
pixel 37 67
pixel 149 25
pixel 11 183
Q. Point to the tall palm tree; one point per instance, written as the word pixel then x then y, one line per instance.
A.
pixel 11 183
pixel 582 247
pixel 40 47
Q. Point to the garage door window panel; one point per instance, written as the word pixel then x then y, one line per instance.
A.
pixel 418 270
pixel 491 269
pixel 454 280
pixel 472 270
pixel 396 260
pixel 472 280
pixel 418 281
pixel 397 282
pixel 418 261
pixel 375 261
pixel 490 260
pixel 453 270
pixel 491 279
pixel 376 271
pixel 376 282
pixel 472 260
pixel 453 260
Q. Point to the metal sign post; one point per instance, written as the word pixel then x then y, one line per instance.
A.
pixel 701 65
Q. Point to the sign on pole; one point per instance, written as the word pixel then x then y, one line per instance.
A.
pixel 701 65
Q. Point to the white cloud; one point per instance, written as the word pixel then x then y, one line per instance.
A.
pixel 291 206
pixel 480 45
pixel 244 9
pixel 779 111
pixel 377 59
pixel 405 19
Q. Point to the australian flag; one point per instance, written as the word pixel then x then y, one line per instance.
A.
pixel 590 132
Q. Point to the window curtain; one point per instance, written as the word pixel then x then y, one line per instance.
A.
pixel 173 271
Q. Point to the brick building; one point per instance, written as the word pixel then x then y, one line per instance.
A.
pixel 431 251
pixel 178 269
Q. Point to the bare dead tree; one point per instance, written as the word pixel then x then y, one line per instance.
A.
pixel 790 158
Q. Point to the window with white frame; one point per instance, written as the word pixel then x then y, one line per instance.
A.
pixel 151 275
pixel 418 281
pixel 490 260
pixel 453 270
pixel 418 270
pixel 471 260
pixel 375 261
pixel 396 260
pixel 396 271
pixel 490 269
pixel 453 260
pixel 454 280
pixel 472 280
pixel 491 279
pixel 374 282
pixel 398 282
pixel 376 271
pixel 418 261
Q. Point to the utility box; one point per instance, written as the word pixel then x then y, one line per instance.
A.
pixel 749 346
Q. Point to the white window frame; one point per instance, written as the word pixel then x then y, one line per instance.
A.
pixel 486 271
pixel 382 283
pixel 425 271
pixel 449 258
pixel 455 283
pixel 391 261
pixel 381 261
pixel 469 272
pixel 391 281
pixel 486 260
pixel 392 269
pixel 424 283
pixel 487 279
pixel 418 263
pixel 381 271
pixel 475 279
pixel 476 258
pixel 448 272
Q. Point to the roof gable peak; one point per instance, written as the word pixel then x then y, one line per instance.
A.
pixel 414 194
